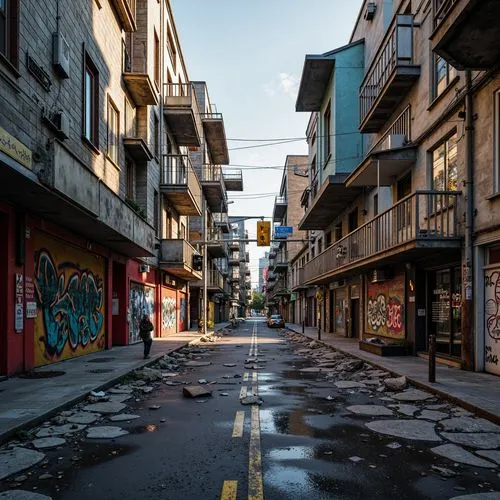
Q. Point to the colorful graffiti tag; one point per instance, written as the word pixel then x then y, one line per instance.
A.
pixel 168 313
pixel 385 314
pixel 492 320
pixel 70 297
pixel 141 301
pixel 182 314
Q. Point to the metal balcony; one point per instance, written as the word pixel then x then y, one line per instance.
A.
pixel 330 200
pixel 281 263
pixel 126 13
pixel 216 244
pixel 466 34
pixel 234 245
pixel 182 114
pixel 416 226
pixel 234 259
pixel 280 208
pixel 221 220
pixel 389 158
pixel 214 188
pixel 298 281
pixel 390 76
pixel 215 281
pixel 233 179
pixel 136 77
pixel 215 135
pixel 176 257
pixel 180 184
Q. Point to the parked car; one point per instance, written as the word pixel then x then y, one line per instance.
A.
pixel 275 321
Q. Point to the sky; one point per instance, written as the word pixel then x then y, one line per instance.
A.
pixel 251 54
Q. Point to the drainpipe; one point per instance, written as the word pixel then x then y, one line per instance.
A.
pixel 467 269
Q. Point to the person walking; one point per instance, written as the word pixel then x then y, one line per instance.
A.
pixel 146 333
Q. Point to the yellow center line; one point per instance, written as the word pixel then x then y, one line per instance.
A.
pixel 246 376
pixel 238 424
pixel 229 490
pixel 243 392
pixel 255 486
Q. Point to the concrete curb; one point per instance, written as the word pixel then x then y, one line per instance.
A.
pixel 481 412
pixel 33 422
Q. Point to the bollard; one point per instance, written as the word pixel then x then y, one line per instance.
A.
pixel 303 326
pixel 432 358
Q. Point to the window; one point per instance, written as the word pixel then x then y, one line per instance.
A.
pixel 129 119
pixel 91 103
pixel 320 245
pixel 353 220
pixel 444 165
pixel 338 231
pixel 9 30
pixel 157 60
pixel 327 128
pixel 496 142
pixel 329 239
pixel 113 131
pixel 444 73
pixel 156 138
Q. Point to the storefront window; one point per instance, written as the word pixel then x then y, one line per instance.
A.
pixel 340 312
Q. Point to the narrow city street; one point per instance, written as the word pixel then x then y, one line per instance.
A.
pixel 321 426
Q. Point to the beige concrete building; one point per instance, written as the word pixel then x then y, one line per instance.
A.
pixel 412 231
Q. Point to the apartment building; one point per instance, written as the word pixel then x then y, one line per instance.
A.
pixel 408 212
pixel 97 115
pixel 240 275
pixel 286 216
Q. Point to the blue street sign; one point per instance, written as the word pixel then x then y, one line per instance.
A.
pixel 283 231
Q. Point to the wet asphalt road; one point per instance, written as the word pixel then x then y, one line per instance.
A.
pixel 305 441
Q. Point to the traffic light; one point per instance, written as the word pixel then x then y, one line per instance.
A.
pixel 197 262
pixel 263 233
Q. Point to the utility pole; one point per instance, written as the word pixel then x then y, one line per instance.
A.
pixel 467 270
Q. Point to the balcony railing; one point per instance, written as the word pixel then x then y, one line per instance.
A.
pixel 215 280
pixel 389 76
pixel 233 179
pixel 181 185
pixel 136 76
pixel 423 218
pixel 441 9
pixel 298 278
pixel 214 187
pixel 176 257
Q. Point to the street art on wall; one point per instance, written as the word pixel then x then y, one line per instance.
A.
pixel 141 301
pixel 385 310
pixel 69 285
pixel 168 312
pixel 492 320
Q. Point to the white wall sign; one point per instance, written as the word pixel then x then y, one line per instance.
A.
pixel 31 310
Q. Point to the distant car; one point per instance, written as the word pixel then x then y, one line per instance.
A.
pixel 275 321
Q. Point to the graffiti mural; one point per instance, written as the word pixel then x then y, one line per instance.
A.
pixel 168 313
pixel 385 312
pixel 69 287
pixel 492 320
pixel 141 301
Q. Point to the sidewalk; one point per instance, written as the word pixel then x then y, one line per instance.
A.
pixel 475 391
pixel 25 402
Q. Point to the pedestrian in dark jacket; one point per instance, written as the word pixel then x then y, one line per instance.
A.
pixel 146 332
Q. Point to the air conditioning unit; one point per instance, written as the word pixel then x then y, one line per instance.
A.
pixel 61 122
pixel 60 55
pixel 371 8
pixel 393 141
pixel 144 268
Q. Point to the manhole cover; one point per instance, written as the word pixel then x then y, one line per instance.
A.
pixel 46 374
pixel 101 370
pixel 100 360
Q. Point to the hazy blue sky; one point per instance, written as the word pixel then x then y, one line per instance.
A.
pixel 251 54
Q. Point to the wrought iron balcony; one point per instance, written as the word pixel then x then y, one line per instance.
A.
pixel 465 33
pixel 415 226
pixel 215 135
pixel 390 76
pixel 182 114
pixel 233 179
pixel 176 257
pixel 215 281
pixel 136 76
pixel 221 219
pixel 280 207
pixel 126 13
pixel 214 187
pixel 180 184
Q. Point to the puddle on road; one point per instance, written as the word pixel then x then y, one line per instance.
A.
pixel 291 453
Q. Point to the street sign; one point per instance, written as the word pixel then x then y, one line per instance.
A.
pixel 283 231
